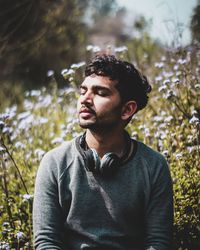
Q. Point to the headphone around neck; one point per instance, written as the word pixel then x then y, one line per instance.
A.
pixel 109 163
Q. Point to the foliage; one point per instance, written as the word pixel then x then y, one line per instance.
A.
pixel 36 36
pixel 195 23
pixel 170 124
pixel 102 8
pixel 144 50
pixel 10 95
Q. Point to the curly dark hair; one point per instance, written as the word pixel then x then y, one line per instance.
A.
pixel 131 84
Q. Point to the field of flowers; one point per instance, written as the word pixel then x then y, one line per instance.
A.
pixel 47 117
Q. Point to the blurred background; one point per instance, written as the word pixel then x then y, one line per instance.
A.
pixel 44 46
pixel 37 37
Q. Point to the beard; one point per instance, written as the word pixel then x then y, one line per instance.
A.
pixel 99 126
pixel 103 122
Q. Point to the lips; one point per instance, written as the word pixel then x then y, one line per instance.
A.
pixel 86 112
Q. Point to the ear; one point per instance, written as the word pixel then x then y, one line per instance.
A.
pixel 128 110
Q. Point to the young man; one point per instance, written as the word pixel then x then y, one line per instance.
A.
pixel 104 190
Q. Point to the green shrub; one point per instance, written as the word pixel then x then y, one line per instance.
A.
pixel 170 124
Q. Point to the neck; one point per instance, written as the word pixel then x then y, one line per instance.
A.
pixel 107 142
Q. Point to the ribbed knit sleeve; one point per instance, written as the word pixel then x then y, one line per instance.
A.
pixel 159 209
pixel 48 222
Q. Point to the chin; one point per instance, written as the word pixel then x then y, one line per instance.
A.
pixel 86 125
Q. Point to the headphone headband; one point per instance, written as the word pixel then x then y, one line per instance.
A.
pixel 110 162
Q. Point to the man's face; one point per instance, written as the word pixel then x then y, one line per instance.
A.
pixel 99 105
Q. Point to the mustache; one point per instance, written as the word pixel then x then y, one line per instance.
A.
pixel 88 108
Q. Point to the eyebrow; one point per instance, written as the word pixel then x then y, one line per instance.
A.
pixel 96 87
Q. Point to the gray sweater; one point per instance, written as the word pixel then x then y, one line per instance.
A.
pixel 76 209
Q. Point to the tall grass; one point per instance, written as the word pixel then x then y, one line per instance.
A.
pixel 46 118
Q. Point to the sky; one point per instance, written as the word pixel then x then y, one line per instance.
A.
pixel 169 17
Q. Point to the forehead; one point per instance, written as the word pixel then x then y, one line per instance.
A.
pixel 101 81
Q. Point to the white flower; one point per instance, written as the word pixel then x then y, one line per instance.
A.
pixel 163 58
pixel 134 134
pixel 19 145
pixel 166 81
pixel 165 153
pixel 10 112
pixel 158 78
pixel 178 155
pixel 27 197
pixel 182 61
pixel 194 112
pixel 92 48
pixel 4 246
pixel 176 67
pixel 71 79
pixel 121 49
pixel 66 91
pixel 7 130
pixel 89 47
pixel 96 49
pixel 159 65
pixel 6 224
pixel 40 153
pixel 147 132
pixel 63 133
pixel 70 72
pixel 168 119
pixel 28 105
pixel 163 135
pixel 77 65
pixel 40 120
pixel 194 120
pixel 141 127
pixel 35 92
pixel 19 235
pixel 26 122
pixel 157 118
pixel 64 72
pixel 176 80
pixel 168 74
pixel 162 88
pixel 160 134
pixel 190 138
pixel 178 73
pixel 23 115
pixel 74 66
pixel 2 150
pixel 44 101
pixel 197 86
pixel 170 93
pixel 192 148
pixel 50 73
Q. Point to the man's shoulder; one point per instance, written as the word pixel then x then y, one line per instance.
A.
pixel 149 154
pixel 57 160
pixel 152 161
pixel 60 151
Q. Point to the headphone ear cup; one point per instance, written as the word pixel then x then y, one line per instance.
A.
pixel 109 164
pixel 93 161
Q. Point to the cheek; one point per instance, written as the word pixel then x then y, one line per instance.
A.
pixel 109 108
pixel 100 105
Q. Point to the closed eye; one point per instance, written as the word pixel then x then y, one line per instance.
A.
pixel 82 90
pixel 101 91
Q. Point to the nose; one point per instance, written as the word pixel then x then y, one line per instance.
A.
pixel 86 98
